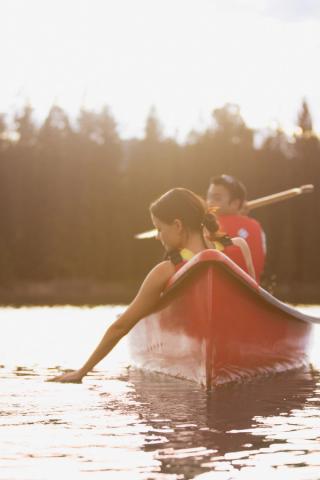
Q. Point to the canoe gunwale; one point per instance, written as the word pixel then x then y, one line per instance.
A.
pixel 218 260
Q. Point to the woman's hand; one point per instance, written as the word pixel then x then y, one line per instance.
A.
pixel 144 302
pixel 69 377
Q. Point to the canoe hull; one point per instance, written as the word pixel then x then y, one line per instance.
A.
pixel 214 325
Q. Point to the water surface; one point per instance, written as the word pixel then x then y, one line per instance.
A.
pixel 127 424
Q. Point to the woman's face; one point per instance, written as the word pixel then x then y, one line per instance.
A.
pixel 169 234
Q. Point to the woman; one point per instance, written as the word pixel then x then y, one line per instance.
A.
pixel 185 228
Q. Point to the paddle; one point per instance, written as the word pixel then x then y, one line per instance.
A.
pixel 257 203
pixel 279 197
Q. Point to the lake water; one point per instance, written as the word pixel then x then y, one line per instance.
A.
pixel 126 424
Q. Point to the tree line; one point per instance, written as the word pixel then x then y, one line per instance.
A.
pixel 73 194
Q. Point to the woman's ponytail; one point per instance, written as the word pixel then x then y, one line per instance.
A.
pixel 211 224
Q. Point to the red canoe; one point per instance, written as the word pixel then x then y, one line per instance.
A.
pixel 214 325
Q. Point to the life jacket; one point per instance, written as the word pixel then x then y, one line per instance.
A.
pixel 223 244
pixel 249 229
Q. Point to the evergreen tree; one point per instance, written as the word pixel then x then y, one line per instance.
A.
pixel 25 127
pixel 304 118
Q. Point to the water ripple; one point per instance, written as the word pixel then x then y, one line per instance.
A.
pixel 129 424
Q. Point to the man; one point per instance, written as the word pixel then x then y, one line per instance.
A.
pixel 228 195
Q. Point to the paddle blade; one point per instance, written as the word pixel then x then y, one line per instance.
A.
pixel 144 235
pixel 307 188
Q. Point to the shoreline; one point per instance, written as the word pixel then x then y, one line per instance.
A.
pixel 298 293
pixel 67 292
pixel 90 292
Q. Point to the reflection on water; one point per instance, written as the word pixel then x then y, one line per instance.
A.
pixel 127 424
pixel 270 423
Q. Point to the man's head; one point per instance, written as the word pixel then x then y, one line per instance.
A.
pixel 227 194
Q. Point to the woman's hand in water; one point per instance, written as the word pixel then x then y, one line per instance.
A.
pixel 69 377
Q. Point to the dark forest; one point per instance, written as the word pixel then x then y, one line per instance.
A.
pixel 73 194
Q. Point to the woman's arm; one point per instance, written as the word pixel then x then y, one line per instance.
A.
pixel 143 304
pixel 242 244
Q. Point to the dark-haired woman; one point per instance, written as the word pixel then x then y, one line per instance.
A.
pixel 185 228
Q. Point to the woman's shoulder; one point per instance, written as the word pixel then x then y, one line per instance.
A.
pixel 164 268
pixel 158 277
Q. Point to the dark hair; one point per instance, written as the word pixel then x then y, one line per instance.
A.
pixel 185 205
pixel 235 188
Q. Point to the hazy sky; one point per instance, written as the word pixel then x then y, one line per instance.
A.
pixel 185 57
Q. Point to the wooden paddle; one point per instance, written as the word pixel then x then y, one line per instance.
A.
pixel 257 203
pixel 278 197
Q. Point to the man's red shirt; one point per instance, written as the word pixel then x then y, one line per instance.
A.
pixel 249 229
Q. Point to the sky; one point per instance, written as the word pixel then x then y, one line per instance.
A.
pixel 183 57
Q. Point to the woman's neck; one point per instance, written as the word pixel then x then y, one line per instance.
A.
pixel 195 242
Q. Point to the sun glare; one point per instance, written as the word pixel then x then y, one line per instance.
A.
pixel 185 58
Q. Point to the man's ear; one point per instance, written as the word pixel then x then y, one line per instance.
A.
pixel 235 204
pixel 178 224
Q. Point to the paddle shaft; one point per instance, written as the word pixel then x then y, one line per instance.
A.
pixel 252 204
pixel 278 197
